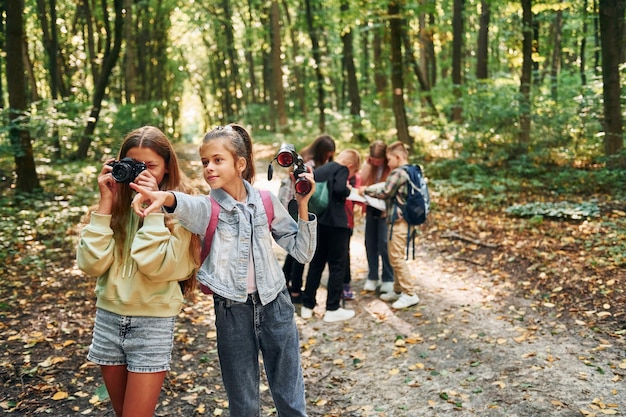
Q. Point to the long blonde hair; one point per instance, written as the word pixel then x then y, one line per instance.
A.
pixel 152 138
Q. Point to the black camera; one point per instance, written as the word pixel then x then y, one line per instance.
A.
pixel 287 157
pixel 126 170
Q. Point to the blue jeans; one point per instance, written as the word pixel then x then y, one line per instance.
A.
pixel 143 344
pixel 376 235
pixel 242 330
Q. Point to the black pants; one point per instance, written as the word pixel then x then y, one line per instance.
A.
pixel 333 244
pixel 293 274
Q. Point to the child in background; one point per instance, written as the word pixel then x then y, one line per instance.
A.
pixel 253 309
pixel 403 293
pixel 355 182
pixel 140 264
pixel 333 239
pixel 375 170
pixel 319 152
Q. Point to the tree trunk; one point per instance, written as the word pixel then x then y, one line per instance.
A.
pixel 457 60
pixel 555 66
pixel 252 91
pixel 397 71
pixel 3 8
pixel 611 30
pixel 277 90
pixel 30 71
pixel 380 76
pixel 583 45
pixel 350 75
pixel 21 143
pixel 51 46
pixel 90 41
pixel 596 38
pixel 233 71
pixel 428 62
pixel 111 56
pixel 421 78
pixel 526 77
pixel 297 78
pixel 130 55
pixel 482 49
pixel 317 57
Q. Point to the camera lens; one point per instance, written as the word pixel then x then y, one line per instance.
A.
pixel 285 159
pixel 302 186
pixel 122 172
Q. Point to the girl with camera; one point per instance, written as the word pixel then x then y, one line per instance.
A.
pixel 145 267
pixel 252 306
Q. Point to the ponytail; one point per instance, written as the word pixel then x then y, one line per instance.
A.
pixel 250 172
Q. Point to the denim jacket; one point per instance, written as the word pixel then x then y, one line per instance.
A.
pixel 225 269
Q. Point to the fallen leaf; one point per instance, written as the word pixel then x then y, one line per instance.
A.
pixel 60 395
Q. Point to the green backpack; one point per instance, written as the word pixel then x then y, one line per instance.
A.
pixel 318 203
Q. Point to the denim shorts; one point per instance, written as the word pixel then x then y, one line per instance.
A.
pixel 143 344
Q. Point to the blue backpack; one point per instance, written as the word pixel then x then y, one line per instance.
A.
pixel 418 199
pixel 415 209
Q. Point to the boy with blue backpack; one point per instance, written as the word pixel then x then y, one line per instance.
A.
pixel 407 202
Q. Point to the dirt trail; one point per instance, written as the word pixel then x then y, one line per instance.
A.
pixel 469 348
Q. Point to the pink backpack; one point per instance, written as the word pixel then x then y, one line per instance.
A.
pixel 210 229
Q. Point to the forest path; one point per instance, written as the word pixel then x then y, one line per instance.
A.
pixel 470 348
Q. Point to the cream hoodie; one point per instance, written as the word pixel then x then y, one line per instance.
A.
pixel 144 280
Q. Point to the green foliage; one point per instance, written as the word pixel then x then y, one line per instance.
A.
pixel 44 221
pixel 563 210
pixel 484 185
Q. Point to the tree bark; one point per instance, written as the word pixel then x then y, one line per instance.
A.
pixel 233 68
pixel 421 78
pixel 277 91
pixel 457 60
pixel 482 50
pixel 3 7
pixel 111 55
pixel 526 77
pixel 583 45
pixel 555 66
pixel 611 29
pixel 350 75
pixel 397 70
pixel 317 57
pixel 130 55
pixel 380 76
pixel 51 46
pixel 21 143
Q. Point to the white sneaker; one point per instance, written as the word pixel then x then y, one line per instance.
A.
pixel 370 285
pixel 390 296
pixel 386 287
pixel 338 315
pixel 306 313
pixel 405 301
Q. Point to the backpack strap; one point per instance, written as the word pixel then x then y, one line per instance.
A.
pixel 212 226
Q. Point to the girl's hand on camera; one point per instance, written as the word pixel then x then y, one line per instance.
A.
pixel 303 200
pixel 309 177
pixel 108 187
pixel 146 180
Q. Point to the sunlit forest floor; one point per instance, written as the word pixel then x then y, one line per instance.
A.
pixel 513 321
